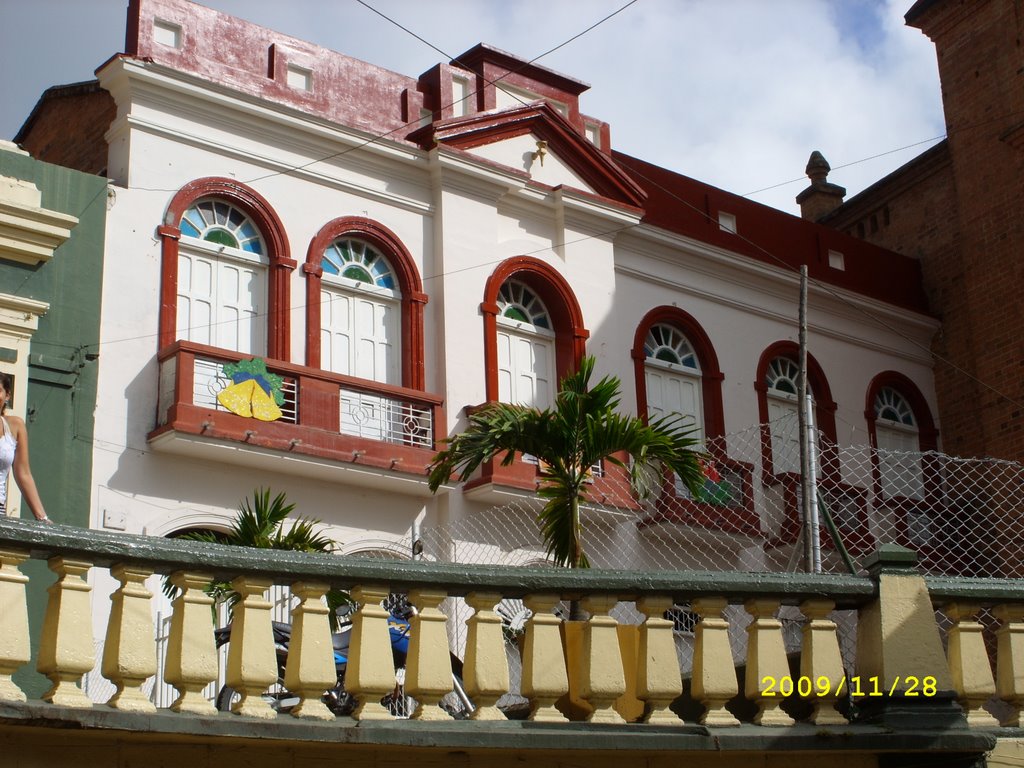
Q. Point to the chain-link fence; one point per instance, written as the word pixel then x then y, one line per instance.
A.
pixel 963 516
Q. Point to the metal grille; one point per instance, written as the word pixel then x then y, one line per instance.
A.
pixel 386 419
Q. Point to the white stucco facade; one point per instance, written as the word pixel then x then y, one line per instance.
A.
pixel 460 213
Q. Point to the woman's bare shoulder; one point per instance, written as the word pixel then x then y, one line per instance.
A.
pixel 17 424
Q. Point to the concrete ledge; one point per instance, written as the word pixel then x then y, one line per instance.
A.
pixel 38 720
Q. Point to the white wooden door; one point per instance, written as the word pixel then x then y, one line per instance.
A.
pixel 899 461
pixel 359 335
pixel 222 301
pixel 526 369
pixel 673 392
pixel 784 424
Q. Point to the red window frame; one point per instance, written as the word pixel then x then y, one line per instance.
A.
pixel 280 267
pixel 409 285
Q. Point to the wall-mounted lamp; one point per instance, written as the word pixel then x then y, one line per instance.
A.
pixel 542 150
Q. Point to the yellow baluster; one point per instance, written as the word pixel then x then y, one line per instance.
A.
pixel 66 647
pixel 714 674
pixel 544 675
pixel 15 649
pixel 370 673
pixel 191 653
pixel 486 666
pixel 129 653
pixel 603 677
pixel 659 682
pixel 310 669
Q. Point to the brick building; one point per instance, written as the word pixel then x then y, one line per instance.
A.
pixel 957 208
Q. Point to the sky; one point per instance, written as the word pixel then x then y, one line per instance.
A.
pixel 735 93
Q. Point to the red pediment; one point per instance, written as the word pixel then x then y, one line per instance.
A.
pixel 540 119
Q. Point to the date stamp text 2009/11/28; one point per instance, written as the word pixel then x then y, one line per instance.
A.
pixel 859 687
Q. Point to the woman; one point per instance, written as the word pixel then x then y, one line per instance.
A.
pixel 14 454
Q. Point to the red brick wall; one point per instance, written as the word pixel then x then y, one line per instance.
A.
pixel 980 60
pixel 961 215
pixel 68 126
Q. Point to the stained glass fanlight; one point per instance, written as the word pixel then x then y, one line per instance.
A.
pixel 517 302
pixel 220 223
pixel 890 405
pixel 783 375
pixel 359 261
pixel 667 344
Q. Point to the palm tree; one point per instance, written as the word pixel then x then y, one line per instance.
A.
pixel 582 429
pixel 260 523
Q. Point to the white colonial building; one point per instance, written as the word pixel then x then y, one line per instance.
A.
pixel 314 266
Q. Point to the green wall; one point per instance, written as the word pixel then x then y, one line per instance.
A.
pixel 61 393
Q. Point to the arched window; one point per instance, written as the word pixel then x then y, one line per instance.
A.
pixel 900 427
pixel 672 376
pixel 526 347
pixel 896 436
pixel 224 270
pixel 222 279
pixel 360 313
pixel 777 384
pixel 364 304
pixel 533 332
pixel 676 371
pixel 781 381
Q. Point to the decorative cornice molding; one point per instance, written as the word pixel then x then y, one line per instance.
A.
pixel 29 234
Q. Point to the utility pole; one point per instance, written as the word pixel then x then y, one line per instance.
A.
pixel 808 446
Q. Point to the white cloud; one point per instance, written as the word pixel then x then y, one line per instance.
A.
pixel 733 92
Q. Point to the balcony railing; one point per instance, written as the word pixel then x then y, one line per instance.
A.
pixel 324 415
pixel 738 662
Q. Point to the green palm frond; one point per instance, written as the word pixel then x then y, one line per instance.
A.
pixel 260 523
pixel 581 430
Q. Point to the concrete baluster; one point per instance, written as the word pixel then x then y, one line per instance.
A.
pixel 486 666
pixel 129 652
pixel 767 666
pixel 899 648
pixel 821 661
pixel 66 646
pixel 252 660
pixel 191 652
pixel 603 677
pixel 15 650
pixel 1010 660
pixel 544 675
pixel 714 674
pixel 370 674
pixel 659 682
pixel 428 673
pixel 969 664
pixel 310 670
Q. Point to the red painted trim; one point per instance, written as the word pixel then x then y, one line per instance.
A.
pixel 557 295
pixel 690 208
pixel 317 433
pixel 824 409
pixel 742 519
pixel 409 284
pixel 280 263
pixel 309 441
pixel 541 119
pixel 295 370
pixel 711 376
pixel 858 541
pixel 928 435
